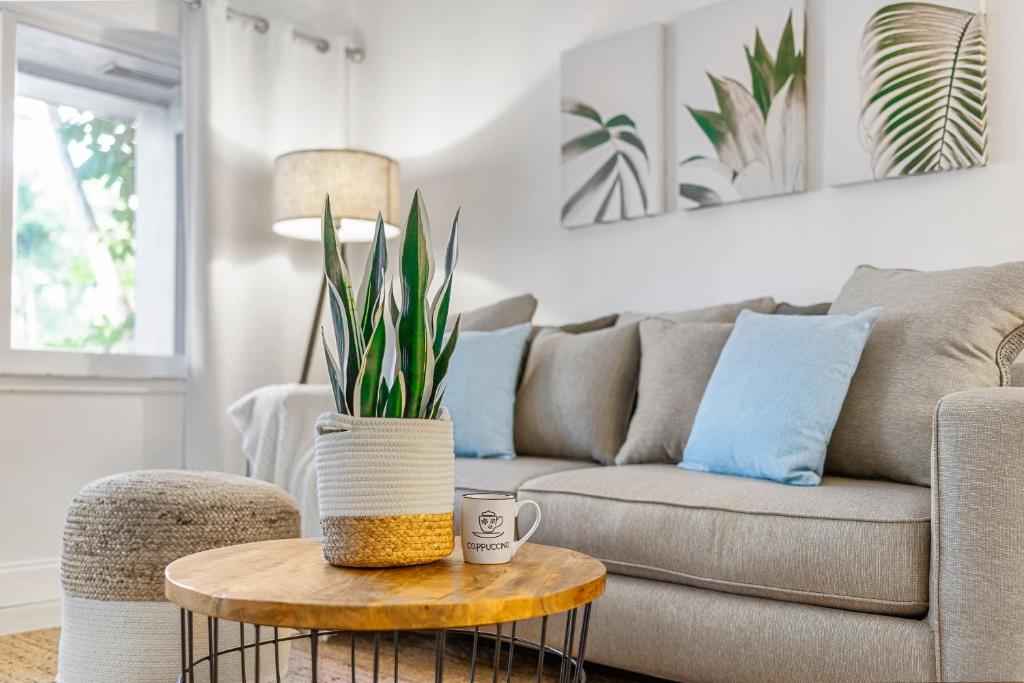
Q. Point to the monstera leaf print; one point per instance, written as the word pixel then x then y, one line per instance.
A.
pixel 624 163
pixel 924 89
pixel 757 133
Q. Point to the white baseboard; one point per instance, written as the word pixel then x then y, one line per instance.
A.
pixel 31 617
pixel 29 595
pixel 27 583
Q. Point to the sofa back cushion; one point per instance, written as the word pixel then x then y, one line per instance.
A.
pixel 676 361
pixel 497 316
pixel 722 313
pixel 939 332
pixel 593 325
pixel 576 394
pixel 786 308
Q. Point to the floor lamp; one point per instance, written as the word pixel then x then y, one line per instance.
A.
pixel 360 185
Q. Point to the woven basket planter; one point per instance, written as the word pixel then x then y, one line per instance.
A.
pixel 386 488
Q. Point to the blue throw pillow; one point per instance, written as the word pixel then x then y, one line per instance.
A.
pixel 775 395
pixel 481 390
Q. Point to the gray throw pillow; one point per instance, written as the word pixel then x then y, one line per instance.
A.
pixel 723 313
pixel 577 392
pixel 939 332
pixel 676 362
pixel 498 316
pixel 810 309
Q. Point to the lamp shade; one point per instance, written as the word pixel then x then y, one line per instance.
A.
pixel 360 185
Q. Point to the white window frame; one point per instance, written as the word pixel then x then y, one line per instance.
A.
pixel 54 363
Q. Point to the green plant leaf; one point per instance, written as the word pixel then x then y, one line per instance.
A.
pixel 337 273
pixel 592 184
pixel 334 267
pixel 620 120
pixel 761 55
pixel 414 349
pixel 368 382
pixel 342 305
pixel 633 139
pixel 788 62
pixel 602 211
pixel 436 408
pixel 333 374
pixel 640 180
pixel 345 334
pixel 443 296
pixel 577 108
pixel 382 400
pixel 924 89
pixel 701 195
pixel 746 140
pixel 583 143
pixel 442 366
pixel 396 312
pixel 371 292
pixel 396 399
pixel 714 125
pixel 761 81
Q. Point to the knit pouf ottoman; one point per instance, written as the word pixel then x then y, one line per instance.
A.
pixel 120 534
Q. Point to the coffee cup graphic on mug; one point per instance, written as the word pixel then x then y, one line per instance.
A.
pixel 489 527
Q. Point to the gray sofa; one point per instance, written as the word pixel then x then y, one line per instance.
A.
pixel 883 572
pixel 719 578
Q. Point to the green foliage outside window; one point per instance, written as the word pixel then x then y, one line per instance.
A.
pixel 67 270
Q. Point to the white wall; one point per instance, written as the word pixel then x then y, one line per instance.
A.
pixel 466 96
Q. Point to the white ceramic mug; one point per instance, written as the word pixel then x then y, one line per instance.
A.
pixel 489 527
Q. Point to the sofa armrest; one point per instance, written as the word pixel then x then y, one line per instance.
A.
pixel 977 570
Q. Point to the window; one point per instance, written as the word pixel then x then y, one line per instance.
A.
pixel 93 217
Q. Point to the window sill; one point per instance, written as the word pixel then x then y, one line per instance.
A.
pixel 90 365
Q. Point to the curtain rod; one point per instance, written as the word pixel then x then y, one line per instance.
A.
pixel 321 44
pixel 259 24
pixel 262 25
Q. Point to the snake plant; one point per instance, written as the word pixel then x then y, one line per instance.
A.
pixel 401 373
pixel 924 88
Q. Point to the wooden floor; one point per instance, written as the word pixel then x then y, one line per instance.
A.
pixel 32 658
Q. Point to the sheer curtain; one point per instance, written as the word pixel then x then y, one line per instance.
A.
pixel 248 98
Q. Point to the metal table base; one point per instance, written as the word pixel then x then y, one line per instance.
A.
pixel 570 666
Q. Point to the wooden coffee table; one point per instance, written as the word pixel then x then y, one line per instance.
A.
pixel 288 584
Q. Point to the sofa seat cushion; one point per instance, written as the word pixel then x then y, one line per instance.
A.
pixel 501 475
pixel 849 543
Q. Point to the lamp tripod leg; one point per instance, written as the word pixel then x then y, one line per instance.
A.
pixel 311 343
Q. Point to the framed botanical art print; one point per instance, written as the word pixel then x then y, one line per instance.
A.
pixel 613 102
pixel 741 102
pixel 906 88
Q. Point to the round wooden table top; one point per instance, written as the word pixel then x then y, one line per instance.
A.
pixel 288 583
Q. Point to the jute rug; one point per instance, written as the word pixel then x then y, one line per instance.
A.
pixel 32 658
